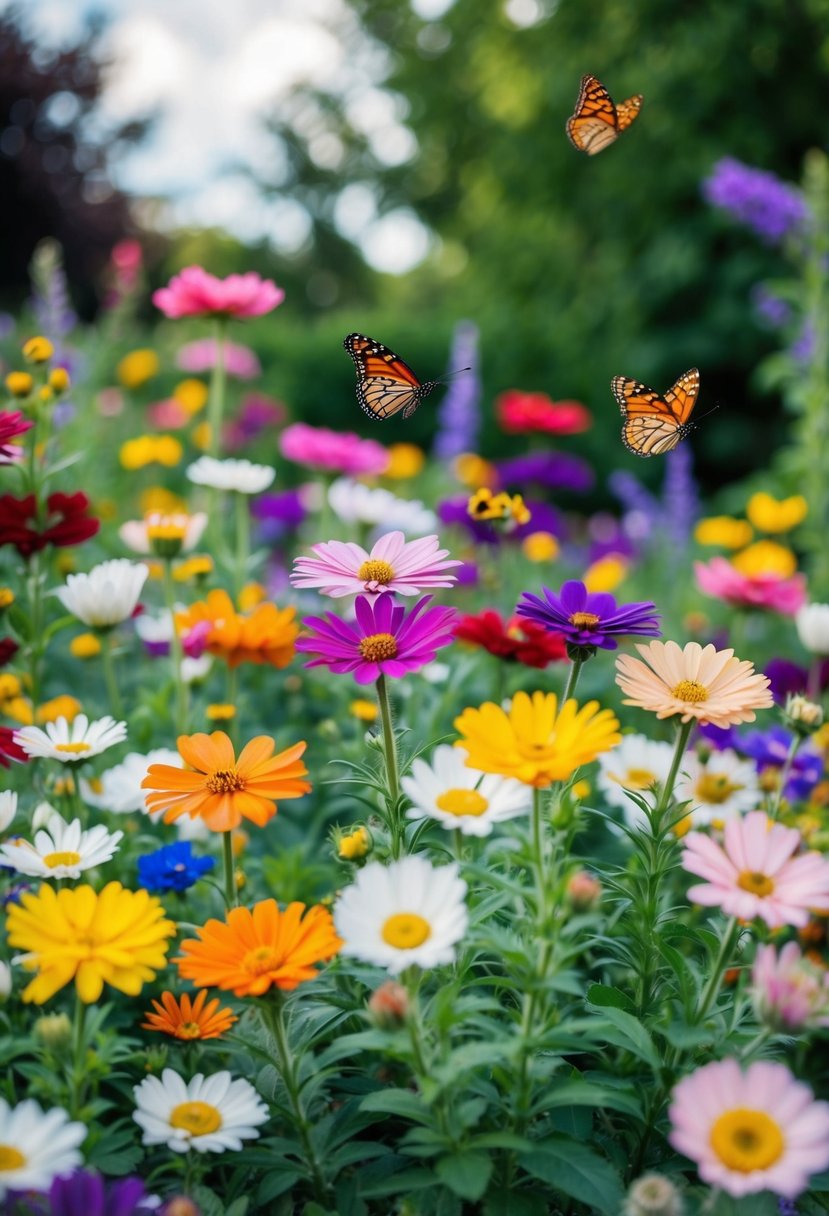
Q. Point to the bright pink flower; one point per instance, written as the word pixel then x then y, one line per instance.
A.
pixel 525 413
pixel 195 293
pixel 9 750
pixel 720 579
pixel 168 415
pixel 755 872
pixel 12 424
pixel 332 451
pixel 393 565
pixel 385 640
pixel 758 1130
pixel 127 257
pixel 200 356
pixel 789 992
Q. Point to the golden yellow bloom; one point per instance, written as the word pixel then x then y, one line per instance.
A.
pixel 19 384
pixel 765 557
pixel 6 598
pixel 723 531
pixel 518 510
pixel 605 574
pixel 536 742
pixel 363 710
pixel 156 500
pixel 137 368
pixel 114 937
pixel 220 713
pixel 251 595
pixel 85 646
pixel 59 380
pixel 19 709
pixel 168 451
pixel 355 845
pixel 193 567
pixel 45 394
pixel 266 635
pixel 10 686
pixel 192 395
pixel 405 461
pixel 770 514
pixel 201 436
pixel 540 547
pixel 486 506
pixel 38 350
pixel 59 707
pixel 151 449
pixel 472 470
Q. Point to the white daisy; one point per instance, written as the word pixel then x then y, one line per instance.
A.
pixel 353 502
pixel 156 632
pixel 719 788
pixel 812 623
pixel 8 808
pixel 36 1146
pixel 139 534
pixel 460 797
pixel 71 743
pixel 209 1114
pixel 403 914
pixel 240 475
pixel 637 764
pixel 193 671
pixel 107 595
pixel 119 788
pixel 61 850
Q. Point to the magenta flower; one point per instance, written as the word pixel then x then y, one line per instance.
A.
pixel 720 579
pixel 756 872
pixel 200 356
pixel 385 639
pixel 394 564
pixel 195 293
pixel 788 991
pixel 12 424
pixel 332 451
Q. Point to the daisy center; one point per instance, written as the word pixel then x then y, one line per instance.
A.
pixel 691 691
pixel 225 781
pixel 74 749
pixel 375 571
pixel 260 960
pixel 462 802
pixel 584 620
pixel 166 531
pixel 53 860
pixel 715 788
pixel 755 883
pixel 378 646
pixel 189 1030
pixel 405 930
pixel 11 1158
pixel 197 1118
pixel 635 779
pixel 747 1140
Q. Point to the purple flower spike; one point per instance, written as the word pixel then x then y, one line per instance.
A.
pixel 761 201
pixel 589 620
pixel 385 640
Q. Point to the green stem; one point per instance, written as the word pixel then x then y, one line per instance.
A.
pixel 34 584
pixel 242 514
pixel 396 826
pixel 712 987
pixel 108 662
pixel 784 775
pixel 232 695
pixel 573 677
pixel 218 381
pixel 231 894
pixel 538 855
pixel 683 735
pixel 176 652
pixel 78 1056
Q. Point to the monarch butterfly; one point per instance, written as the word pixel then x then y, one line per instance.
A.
pixel 655 424
pixel 385 384
pixel 597 121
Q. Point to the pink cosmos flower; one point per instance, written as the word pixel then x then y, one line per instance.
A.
pixel 755 873
pixel 393 565
pixel 200 356
pixel 720 579
pixel 750 1131
pixel 788 991
pixel 385 639
pixel 195 293
pixel 12 424
pixel 332 451
pixel 168 415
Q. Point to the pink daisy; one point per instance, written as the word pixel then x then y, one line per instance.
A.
pixel 750 1131
pixel 385 639
pixel 789 991
pixel 756 874
pixel 394 564
pixel 333 451
pixel 722 580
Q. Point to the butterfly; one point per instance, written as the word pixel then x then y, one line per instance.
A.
pixel 655 424
pixel 385 384
pixel 598 121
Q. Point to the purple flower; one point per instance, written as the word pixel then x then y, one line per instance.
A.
pixel 769 749
pixel 761 201
pixel 459 415
pixel 786 677
pixel 278 514
pixel 680 499
pixel 385 639
pixel 608 536
pixel 769 308
pixel 589 619
pixel 85 1194
pixel 803 347
pixel 468 574
pixel 553 470
pixel 719 737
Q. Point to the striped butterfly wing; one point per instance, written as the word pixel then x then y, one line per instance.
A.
pixel 385 384
pixel 627 111
pixel 682 397
pixel 594 124
pixel 650 425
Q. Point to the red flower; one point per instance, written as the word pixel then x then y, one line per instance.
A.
pixel 9 750
pixel 516 641
pixel 8 649
pixel 67 522
pixel 523 413
pixel 12 423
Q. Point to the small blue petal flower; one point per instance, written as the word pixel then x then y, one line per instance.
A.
pixel 172 868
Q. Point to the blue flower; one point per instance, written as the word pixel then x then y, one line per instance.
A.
pixel 172 868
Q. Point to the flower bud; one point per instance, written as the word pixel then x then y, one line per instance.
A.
pixel 804 716
pixel 59 380
pixel 584 890
pixel 19 384
pixel 5 982
pixel 812 622
pixel 8 808
pixel 180 1205
pixel 653 1195
pixel 38 350
pixel 53 1030
pixel 42 815
pixel 355 845
pixel 389 1005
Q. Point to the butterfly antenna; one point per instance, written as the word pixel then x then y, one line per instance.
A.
pixel 449 375
pixel 700 417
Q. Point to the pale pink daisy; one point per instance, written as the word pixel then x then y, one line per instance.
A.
pixel 755 872
pixel 788 991
pixel 758 1130
pixel 394 564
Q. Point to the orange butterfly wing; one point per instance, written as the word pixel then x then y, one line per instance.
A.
pixel 385 384
pixel 654 424
pixel 683 396
pixel 594 124
pixel 626 111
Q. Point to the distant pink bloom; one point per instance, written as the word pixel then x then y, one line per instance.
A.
pixel 195 293
pixel 127 257
pixel 521 413
pixel 386 638
pixel 200 356
pixel 789 992
pixel 394 564
pixel 168 415
pixel 756 873
pixel 720 579
pixel 12 424
pixel 332 451
pixel 758 1130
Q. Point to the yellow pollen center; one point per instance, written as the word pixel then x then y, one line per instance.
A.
pixel 406 930
pixel 74 749
pixel 53 860
pixel 10 1158
pixel 747 1140
pixel 691 691
pixel 584 620
pixel 189 1030
pixel 260 961
pixel 715 788
pixel 462 802
pixel 375 571
pixel 755 883
pixel 166 532
pixel 225 781
pixel 378 646
pixel 197 1118
pixel 634 778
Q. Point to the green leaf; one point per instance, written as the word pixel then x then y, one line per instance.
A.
pixel 587 1093
pixel 274 1184
pixel 608 997
pixel 397 1183
pixel 515 1203
pixel 466 1174
pixel 402 1102
pixel 239 1206
pixel 627 1032
pixel 577 1171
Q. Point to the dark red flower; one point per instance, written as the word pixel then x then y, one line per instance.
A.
pixel 525 413
pixel 515 641
pixel 12 424
pixel 8 649
pixel 9 750
pixel 67 522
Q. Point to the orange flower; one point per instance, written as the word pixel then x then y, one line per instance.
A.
pixel 266 635
pixel 221 789
pixel 259 948
pixel 189 1019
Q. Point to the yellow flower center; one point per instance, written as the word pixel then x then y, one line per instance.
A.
pixel 375 571
pixel 584 620
pixel 225 781
pixel 755 883
pixel 197 1118
pixel 189 1030
pixel 747 1140
pixel 53 860
pixel 405 930
pixel 10 1158
pixel 166 531
pixel 634 779
pixel 260 961
pixel 691 691
pixel 378 646
pixel 715 788
pixel 462 802
pixel 74 749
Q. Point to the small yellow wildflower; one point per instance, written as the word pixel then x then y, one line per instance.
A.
pixel 38 350
pixel 201 436
pixel 156 500
pixel 540 547
pixel 137 368
pixel 168 451
pixel 85 646
pixel 10 686
pixel 151 449
pixel 251 595
pixel 19 384
pixel 193 567
pixel 192 395
pixel 63 706
pixel 606 574
pixel 363 710
pixel 406 460
pixel 486 506
pixel 59 380
pixel 19 709
pixel 765 557
pixel 472 470
pixel 220 713
pixel 45 394
pixel 770 514
pixel 6 598
pixel 355 845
